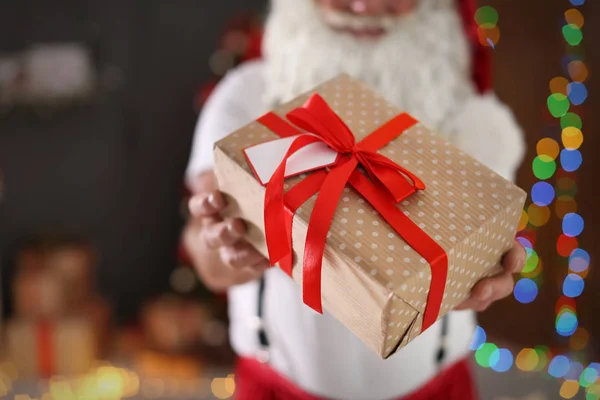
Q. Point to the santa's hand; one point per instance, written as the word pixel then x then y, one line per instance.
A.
pixel 497 287
pixel 241 262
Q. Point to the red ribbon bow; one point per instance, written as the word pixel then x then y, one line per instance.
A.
pixel 389 184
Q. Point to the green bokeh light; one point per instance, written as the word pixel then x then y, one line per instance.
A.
pixel 543 167
pixel 571 119
pixel 532 261
pixel 572 34
pixel 483 354
pixel 558 104
pixel 486 17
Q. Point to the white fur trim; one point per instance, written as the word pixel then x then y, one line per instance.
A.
pixel 487 129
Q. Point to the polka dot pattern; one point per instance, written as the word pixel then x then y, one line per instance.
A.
pixel 468 209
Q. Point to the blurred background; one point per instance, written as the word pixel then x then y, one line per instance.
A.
pixel 98 102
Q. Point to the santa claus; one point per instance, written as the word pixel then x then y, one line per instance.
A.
pixel 423 56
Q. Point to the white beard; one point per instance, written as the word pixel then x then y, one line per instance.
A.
pixel 422 65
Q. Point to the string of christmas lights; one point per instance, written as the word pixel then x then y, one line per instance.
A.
pixel 565 104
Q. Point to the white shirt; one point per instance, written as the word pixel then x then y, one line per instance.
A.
pixel 314 351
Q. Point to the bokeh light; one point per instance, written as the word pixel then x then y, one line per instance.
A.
pixel 564 205
pixel 542 193
pixel 570 159
pixel 559 85
pixel 559 366
pixel 558 104
pixel 572 138
pixel 571 119
pixel 566 323
pixel 532 260
pixel 488 36
pixel 523 221
pixel 527 360
pixel 566 187
pixel 588 377
pixel 483 354
pixel 486 17
pixel 577 93
pixel 579 260
pixel 573 285
pixel 574 17
pixel 549 148
pixel 578 71
pixel 525 290
pixel 578 3
pixel 572 34
pixel 579 340
pixel 569 389
pixel 501 360
pixel 572 224
pixel 538 216
pixel 543 167
pixel 565 245
pixel 479 338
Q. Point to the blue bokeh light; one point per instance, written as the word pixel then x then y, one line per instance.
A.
pixel 479 338
pixel 573 285
pixel 577 93
pixel 525 291
pixel 542 193
pixel 570 159
pixel 566 324
pixel 579 260
pixel 559 366
pixel 572 224
pixel 501 360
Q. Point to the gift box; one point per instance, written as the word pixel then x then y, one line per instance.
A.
pixel 39 294
pixel 43 349
pixel 53 277
pixel 174 325
pixel 381 221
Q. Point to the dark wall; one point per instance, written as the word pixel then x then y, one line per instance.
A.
pixel 527 57
pixel 112 169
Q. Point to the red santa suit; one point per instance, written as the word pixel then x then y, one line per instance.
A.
pixel 430 65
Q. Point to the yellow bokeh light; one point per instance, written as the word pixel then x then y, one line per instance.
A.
pixel 523 221
pixel 572 138
pixel 538 216
pixel 574 17
pixel 219 387
pixel 527 360
pixel 577 71
pixel 569 389
pixel 559 85
pixel 9 370
pixel 547 149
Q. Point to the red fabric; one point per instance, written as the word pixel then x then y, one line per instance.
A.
pixel 256 381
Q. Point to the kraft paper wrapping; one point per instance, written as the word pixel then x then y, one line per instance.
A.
pixel 72 347
pixel 373 282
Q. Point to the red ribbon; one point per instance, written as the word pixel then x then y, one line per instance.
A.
pixel 45 349
pixel 389 183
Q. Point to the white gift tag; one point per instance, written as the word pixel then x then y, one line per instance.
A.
pixel 264 158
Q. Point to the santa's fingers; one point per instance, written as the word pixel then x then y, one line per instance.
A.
pixel 243 255
pixel 224 233
pixel 488 290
